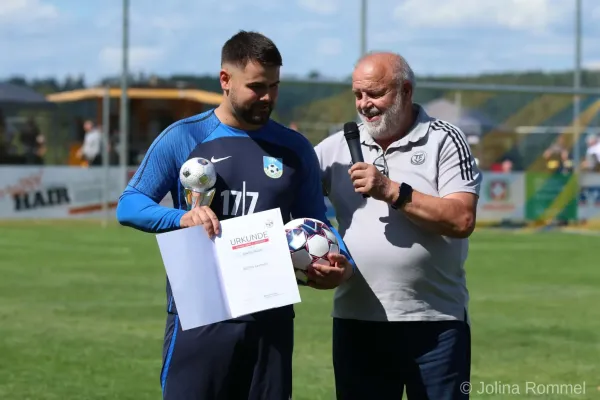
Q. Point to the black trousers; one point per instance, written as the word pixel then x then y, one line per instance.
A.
pixel 245 360
pixel 377 360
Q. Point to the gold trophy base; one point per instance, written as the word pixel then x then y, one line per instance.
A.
pixel 195 199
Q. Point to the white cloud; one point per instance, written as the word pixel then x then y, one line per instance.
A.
pixel 526 15
pixel 592 65
pixel 329 46
pixel 140 57
pixel 323 7
pixel 51 37
pixel 26 11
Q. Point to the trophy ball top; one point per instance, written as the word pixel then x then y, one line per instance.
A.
pixel 198 174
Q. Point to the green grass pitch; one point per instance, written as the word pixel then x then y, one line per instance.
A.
pixel 82 314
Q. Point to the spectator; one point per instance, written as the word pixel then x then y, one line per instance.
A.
pixel 7 157
pixel 505 166
pixel 33 142
pixel 592 154
pixel 3 144
pixel 557 155
pixel 92 144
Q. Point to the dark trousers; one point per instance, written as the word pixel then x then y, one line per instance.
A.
pixel 234 360
pixel 377 360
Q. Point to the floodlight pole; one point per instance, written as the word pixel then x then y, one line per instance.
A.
pixel 363 27
pixel 124 111
pixel 105 155
pixel 577 86
pixel 577 102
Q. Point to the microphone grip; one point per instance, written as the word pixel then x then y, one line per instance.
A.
pixel 356 156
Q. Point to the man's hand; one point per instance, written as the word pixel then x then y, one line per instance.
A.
pixel 367 179
pixel 330 276
pixel 201 216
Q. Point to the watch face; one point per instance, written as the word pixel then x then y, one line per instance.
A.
pixel 404 194
pixel 405 189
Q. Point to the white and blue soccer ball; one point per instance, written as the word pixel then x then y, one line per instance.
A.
pixel 309 241
pixel 198 174
pixel 273 170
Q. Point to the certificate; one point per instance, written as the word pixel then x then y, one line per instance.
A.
pixel 246 269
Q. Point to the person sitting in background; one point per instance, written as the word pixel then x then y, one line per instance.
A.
pixel 557 155
pixel 592 154
pixel 505 166
pixel 90 150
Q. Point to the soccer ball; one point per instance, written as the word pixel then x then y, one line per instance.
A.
pixel 198 174
pixel 309 241
pixel 273 169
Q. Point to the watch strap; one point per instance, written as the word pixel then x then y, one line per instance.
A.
pixel 404 195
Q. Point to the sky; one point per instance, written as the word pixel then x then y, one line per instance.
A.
pixel 57 38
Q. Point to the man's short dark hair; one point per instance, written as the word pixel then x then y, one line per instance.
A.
pixel 245 47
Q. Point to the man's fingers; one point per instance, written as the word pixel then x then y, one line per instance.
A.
pixel 208 226
pixel 213 220
pixel 362 186
pixel 336 258
pixel 322 269
pixel 358 183
pixel 358 167
pixel 197 219
pixel 316 271
pixel 203 216
pixel 358 174
pixel 206 217
pixel 326 271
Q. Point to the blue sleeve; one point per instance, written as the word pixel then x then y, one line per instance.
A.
pixel 310 202
pixel 139 211
pixel 156 176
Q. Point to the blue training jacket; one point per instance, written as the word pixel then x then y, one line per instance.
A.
pixel 239 158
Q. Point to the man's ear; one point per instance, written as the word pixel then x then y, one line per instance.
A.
pixel 407 90
pixel 225 79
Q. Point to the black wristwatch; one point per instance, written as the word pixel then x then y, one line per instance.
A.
pixel 404 196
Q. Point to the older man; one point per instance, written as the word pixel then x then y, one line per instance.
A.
pixel 401 320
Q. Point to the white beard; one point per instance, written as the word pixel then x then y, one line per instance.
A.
pixel 388 123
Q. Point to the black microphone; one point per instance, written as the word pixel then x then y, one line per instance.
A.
pixel 352 135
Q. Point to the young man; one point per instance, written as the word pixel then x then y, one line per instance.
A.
pixel 401 321
pixel 249 357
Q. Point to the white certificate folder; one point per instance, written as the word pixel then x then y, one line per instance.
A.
pixel 244 270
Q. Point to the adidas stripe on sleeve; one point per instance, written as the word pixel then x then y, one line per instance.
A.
pixel 457 170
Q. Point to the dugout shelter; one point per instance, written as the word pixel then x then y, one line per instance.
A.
pixel 150 111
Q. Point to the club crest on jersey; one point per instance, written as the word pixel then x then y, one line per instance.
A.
pixel 418 157
pixel 273 167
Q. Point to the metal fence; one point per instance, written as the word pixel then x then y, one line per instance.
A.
pixel 507 129
pixel 507 126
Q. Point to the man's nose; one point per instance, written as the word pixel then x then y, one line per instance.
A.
pixel 363 103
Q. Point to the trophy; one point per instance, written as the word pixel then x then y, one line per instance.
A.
pixel 198 178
